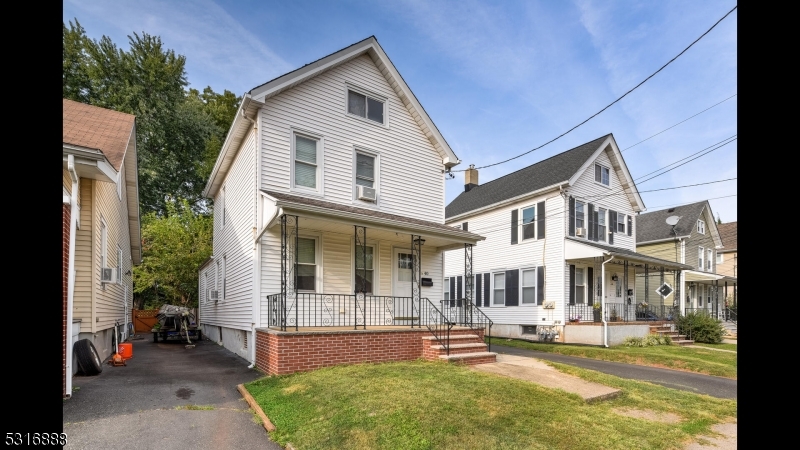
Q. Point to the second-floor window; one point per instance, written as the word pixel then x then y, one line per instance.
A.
pixel 579 223
pixel 709 259
pixel 601 224
pixel 306 168
pixel 620 222
pixel 529 223
pixel 701 227
pixel 365 106
pixel 700 254
pixel 365 170
pixel 601 174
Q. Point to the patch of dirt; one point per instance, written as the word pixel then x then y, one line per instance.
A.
pixel 727 440
pixel 295 388
pixel 648 414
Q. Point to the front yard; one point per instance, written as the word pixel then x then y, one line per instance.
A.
pixel 427 405
pixel 699 360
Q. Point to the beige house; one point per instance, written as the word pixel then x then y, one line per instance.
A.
pixel 101 230
pixel 727 256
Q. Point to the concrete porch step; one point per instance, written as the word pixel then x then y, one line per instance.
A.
pixel 471 358
pixel 459 346
pixel 455 336
pixel 458 349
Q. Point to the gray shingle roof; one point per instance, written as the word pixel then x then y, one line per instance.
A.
pixel 545 173
pixel 653 226
pixel 728 234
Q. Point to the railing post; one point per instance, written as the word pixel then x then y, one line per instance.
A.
pixel 416 273
pixel 468 283
pixel 361 288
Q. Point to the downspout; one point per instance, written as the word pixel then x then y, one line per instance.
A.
pixel 73 221
pixel 256 306
pixel 603 299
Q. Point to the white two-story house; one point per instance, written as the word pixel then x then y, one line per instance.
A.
pixel 559 260
pixel 328 209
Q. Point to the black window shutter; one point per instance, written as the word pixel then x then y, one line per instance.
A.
pixel 612 227
pixel 540 285
pixel 452 291
pixel 591 230
pixel 478 290
pixel 571 216
pixel 571 284
pixel 460 291
pixel 630 225
pixel 514 227
pixel 590 285
pixel 464 226
pixel 512 287
pixel 540 219
pixel 486 287
pixel 597 226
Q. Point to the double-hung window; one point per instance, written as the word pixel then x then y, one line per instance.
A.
pixel 365 170
pixel 529 223
pixel 700 254
pixel 580 286
pixel 601 174
pixel 365 273
pixel 701 226
pixel 306 162
pixel 365 106
pixel 620 223
pixel 529 286
pixel 306 264
pixel 709 259
pixel 579 217
pixel 447 288
pixel 601 224
pixel 499 297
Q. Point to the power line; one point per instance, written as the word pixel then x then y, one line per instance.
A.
pixel 615 101
pixel 686 203
pixel 684 120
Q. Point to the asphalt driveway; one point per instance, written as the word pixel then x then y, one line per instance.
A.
pixel 143 404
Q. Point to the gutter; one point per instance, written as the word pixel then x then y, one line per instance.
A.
pixel 603 300
pixel 73 221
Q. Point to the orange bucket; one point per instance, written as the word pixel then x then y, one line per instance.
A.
pixel 126 350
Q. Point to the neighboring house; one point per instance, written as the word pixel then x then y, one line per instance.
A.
pixel 727 257
pixel 694 240
pixel 101 227
pixel 560 236
pixel 328 212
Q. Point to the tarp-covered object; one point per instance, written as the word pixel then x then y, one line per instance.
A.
pixel 172 316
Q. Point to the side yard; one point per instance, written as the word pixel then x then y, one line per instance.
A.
pixel 426 405
pixel 699 360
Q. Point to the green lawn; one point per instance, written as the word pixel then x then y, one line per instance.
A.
pixel 721 346
pixel 435 405
pixel 710 362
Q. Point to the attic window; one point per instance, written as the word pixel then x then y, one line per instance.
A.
pixel 701 227
pixel 365 106
pixel 601 174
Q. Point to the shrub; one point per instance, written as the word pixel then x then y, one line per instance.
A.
pixel 701 327
pixel 647 341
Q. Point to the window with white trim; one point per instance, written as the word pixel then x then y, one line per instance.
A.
pixel 709 259
pixel 579 217
pixel 446 288
pixel 601 224
pixel 306 264
pixel 370 268
pixel 601 174
pixel 700 254
pixel 620 222
pixel 580 286
pixel 720 258
pixel 701 226
pixel 306 164
pixel 529 223
pixel 365 170
pixel 529 286
pixel 499 289
pixel 365 106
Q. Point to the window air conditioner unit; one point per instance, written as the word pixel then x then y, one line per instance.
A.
pixel 550 305
pixel 580 231
pixel 108 275
pixel 366 193
pixel 213 295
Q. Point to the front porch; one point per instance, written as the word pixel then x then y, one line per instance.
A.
pixel 354 285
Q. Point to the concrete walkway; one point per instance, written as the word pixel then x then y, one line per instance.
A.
pixel 531 369
pixel 675 379
pixel 143 404
pixel 712 348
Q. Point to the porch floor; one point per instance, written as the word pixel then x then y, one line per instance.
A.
pixel 369 328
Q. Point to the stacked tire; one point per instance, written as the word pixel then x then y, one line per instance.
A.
pixel 89 362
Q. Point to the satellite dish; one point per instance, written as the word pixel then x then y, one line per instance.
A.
pixel 673 220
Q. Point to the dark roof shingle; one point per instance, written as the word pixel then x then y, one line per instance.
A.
pixel 97 128
pixel 728 233
pixel 544 173
pixel 653 226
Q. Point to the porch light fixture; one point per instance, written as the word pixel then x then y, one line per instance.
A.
pixel 420 241
pixel 614 277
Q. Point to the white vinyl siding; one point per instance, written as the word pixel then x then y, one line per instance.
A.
pixel 318 105
pixel 233 244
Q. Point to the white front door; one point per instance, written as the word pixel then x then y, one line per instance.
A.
pixel 402 264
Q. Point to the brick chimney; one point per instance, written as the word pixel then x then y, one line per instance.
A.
pixel 470 178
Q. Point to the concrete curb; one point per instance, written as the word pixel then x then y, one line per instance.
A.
pixel 253 404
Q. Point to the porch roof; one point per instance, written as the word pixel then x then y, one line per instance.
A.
pixel 694 275
pixel 578 248
pixel 294 203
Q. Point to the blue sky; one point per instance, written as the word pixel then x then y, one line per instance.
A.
pixel 497 78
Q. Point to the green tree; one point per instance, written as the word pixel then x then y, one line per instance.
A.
pixel 174 245
pixel 222 109
pixel 719 221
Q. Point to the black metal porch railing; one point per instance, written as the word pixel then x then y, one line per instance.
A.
pixel 436 322
pixel 730 315
pixel 620 312
pixel 581 312
pixel 466 314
